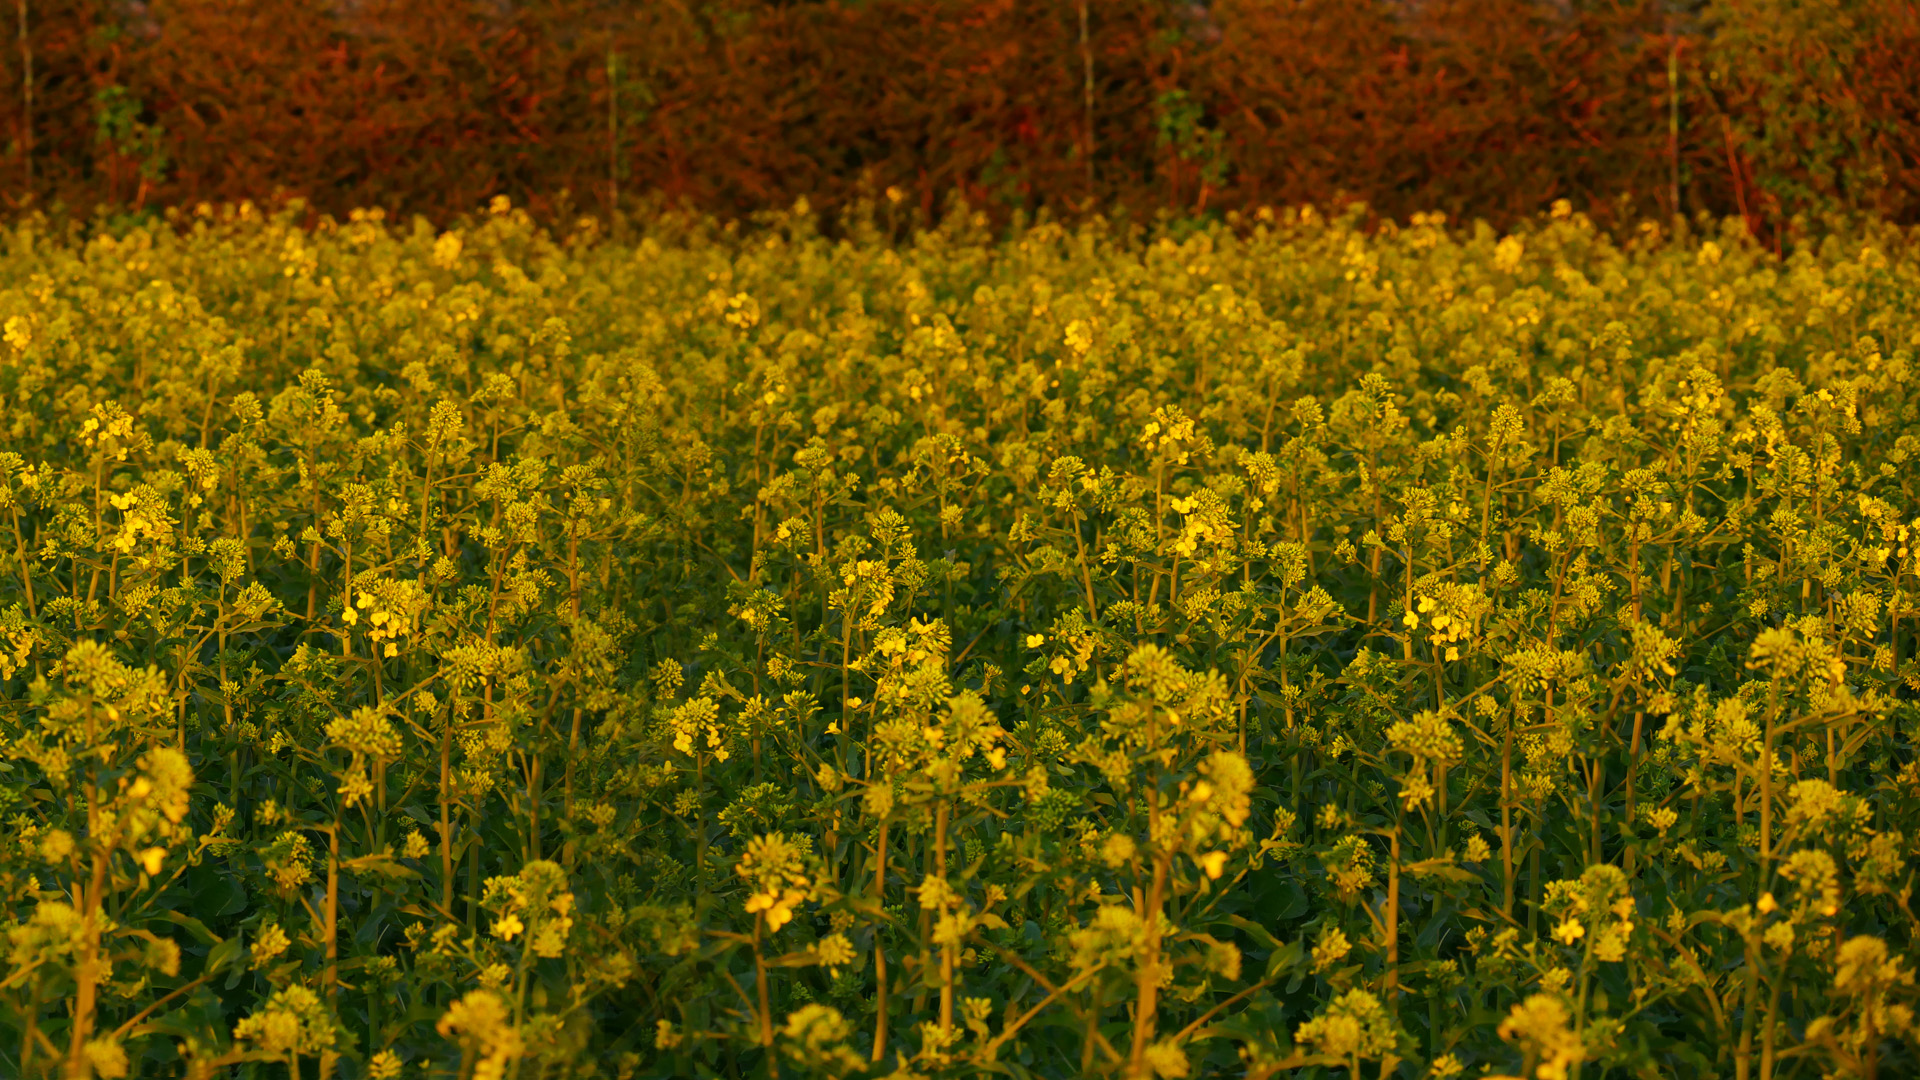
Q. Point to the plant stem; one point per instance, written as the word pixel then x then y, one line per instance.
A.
pixel 879 948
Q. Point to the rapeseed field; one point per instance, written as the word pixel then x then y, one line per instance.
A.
pixel 1263 648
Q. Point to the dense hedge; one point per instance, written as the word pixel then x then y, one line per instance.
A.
pixel 1493 108
pixel 738 653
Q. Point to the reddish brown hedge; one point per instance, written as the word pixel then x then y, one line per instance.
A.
pixel 1488 108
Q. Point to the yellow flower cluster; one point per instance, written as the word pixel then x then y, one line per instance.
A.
pixel 695 719
pixel 483 1024
pixel 1584 904
pixel 294 1021
pixel 1542 1025
pixel 391 610
pixel 109 429
pixel 1448 629
pixel 536 902
pixel 776 869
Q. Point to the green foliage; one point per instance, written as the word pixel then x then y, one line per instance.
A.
pixel 1275 648
pixel 1811 139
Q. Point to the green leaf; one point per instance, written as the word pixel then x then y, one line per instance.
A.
pixel 1287 958
pixel 1259 933
pixel 226 952
pixel 193 926
pixel 381 864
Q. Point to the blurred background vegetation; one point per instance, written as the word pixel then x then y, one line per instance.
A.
pixel 1769 109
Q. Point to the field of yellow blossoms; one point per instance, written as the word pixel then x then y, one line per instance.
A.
pixel 1262 648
